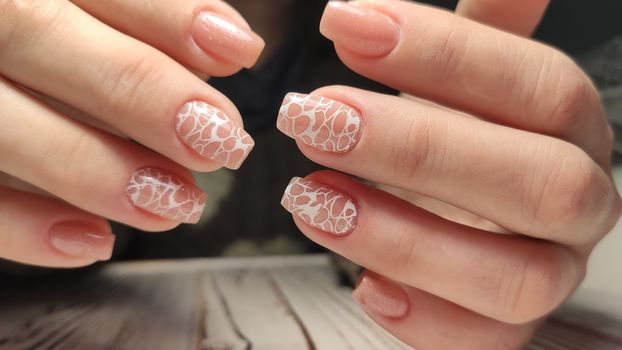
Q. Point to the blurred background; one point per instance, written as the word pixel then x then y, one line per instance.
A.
pixel 244 217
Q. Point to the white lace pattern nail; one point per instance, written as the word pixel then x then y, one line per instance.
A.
pixel 320 206
pixel 213 134
pixel 166 195
pixel 320 122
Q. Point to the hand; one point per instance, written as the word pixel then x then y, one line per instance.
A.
pixel 506 130
pixel 123 63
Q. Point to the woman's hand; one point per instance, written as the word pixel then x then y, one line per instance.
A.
pixel 126 64
pixel 511 132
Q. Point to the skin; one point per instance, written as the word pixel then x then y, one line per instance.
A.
pixel 452 178
pixel 538 169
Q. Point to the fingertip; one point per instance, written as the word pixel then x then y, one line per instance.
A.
pixel 361 29
pixel 82 240
pixel 220 37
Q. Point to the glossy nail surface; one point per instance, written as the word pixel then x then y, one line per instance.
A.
pixel 381 297
pixel 166 195
pixel 320 206
pixel 221 37
pixel 322 123
pixel 359 28
pixel 212 134
pixel 81 240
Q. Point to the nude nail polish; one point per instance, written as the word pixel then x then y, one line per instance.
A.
pixel 226 40
pixel 81 240
pixel 322 123
pixel 360 29
pixel 321 206
pixel 166 195
pixel 381 297
pixel 212 134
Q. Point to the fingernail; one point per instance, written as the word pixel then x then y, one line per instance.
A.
pixel 360 29
pixel 320 206
pixel 213 134
pixel 224 39
pixel 82 240
pixel 381 297
pixel 166 195
pixel 322 123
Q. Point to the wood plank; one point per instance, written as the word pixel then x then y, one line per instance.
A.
pixel 259 303
pixel 258 310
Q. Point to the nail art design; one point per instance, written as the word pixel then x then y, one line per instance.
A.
pixel 319 122
pixel 212 134
pixel 166 195
pixel 320 206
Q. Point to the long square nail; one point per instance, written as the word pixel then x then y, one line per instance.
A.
pixel 319 122
pixel 320 206
pixel 212 134
pixel 166 195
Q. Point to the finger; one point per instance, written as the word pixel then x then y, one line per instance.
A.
pixel 206 35
pixel 91 169
pixel 424 321
pixel 507 278
pixel 519 17
pixel 548 188
pixel 47 232
pixel 437 55
pixel 142 93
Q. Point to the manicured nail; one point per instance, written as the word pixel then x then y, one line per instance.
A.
pixel 381 297
pixel 213 134
pixel 320 122
pixel 166 195
pixel 226 40
pixel 320 206
pixel 360 29
pixel 81 240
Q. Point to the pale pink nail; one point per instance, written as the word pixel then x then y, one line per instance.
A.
pixel 360 29
pixel 320 206
pixel 226 40
pixel 166 195
pixel 381 297
pixel 322 123
pixel 81 240
pixel 213 134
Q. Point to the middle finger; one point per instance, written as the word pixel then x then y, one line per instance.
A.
pixel 60 51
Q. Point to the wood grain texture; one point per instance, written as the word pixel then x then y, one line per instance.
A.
pixel 261 303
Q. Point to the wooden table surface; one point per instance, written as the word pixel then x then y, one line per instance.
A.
pixel 258 303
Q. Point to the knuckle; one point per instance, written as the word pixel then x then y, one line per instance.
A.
pixel 128 81
pixel 407 250
pixel 410 156
pixel 565 192
pixel 67 161
pixel 573 95
pixel 535 287
pixel 446 47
